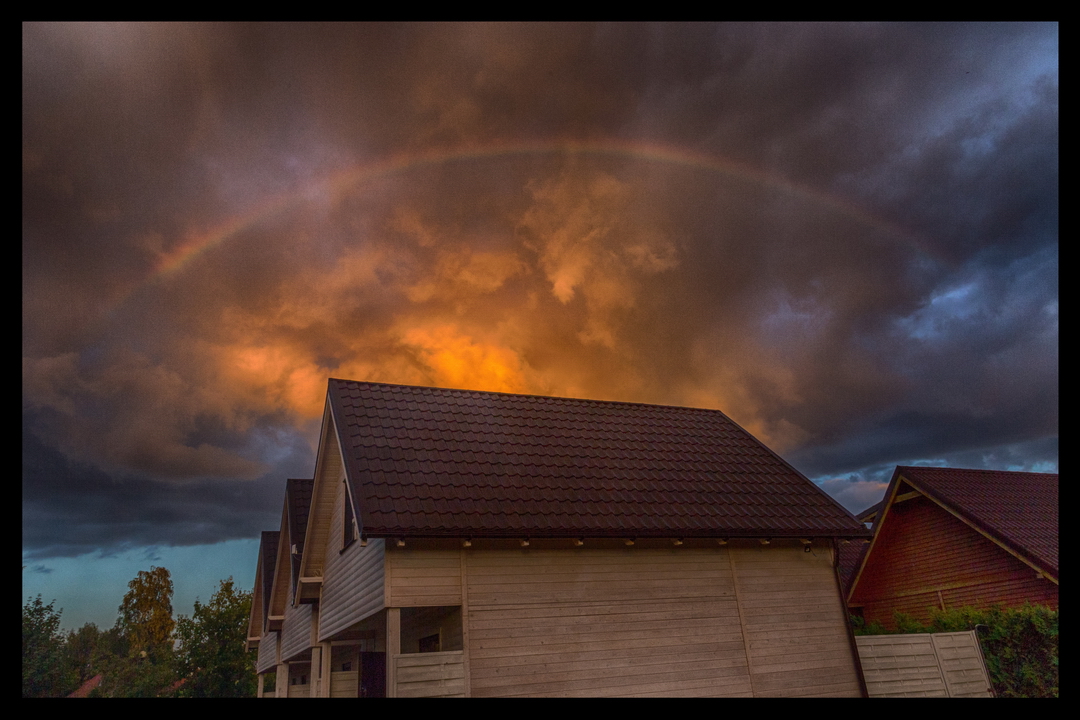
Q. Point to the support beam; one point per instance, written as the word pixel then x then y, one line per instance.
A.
pixel 281 689
pixel 315 678
pixel 326 667
pixel 393 649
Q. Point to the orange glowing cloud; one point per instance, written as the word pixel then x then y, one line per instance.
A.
pixel 458 360
pixel 281 376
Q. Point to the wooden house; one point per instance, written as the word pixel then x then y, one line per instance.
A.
pixel 280 628
pixel 259 638
pixel 948 537
pixel 465 543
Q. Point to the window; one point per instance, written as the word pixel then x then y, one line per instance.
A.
pixel 431 629
pixel 429 643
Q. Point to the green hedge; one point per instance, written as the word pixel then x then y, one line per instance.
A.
pixel 1020 645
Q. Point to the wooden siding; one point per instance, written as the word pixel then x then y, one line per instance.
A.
pixel 924 558
pixel 638 622
pixel 353 588
pixel 794 622
pixel 436 674
pixel 344 684
pixel 268 652
pixel 299 680
pixel 424 579
pixel 295 631
pixel 924 665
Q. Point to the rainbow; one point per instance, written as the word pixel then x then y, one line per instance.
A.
pixel 344 180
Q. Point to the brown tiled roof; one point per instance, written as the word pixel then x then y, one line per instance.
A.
pixel 298 497
pixel 434 462
pixel 1018 508
pixel 851 557
pixel 268 551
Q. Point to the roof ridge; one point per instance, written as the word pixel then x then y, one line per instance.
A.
pixel 562 398
pixel 975 470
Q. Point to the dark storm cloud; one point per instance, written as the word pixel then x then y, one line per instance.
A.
pixel 844 236
pixel 72 508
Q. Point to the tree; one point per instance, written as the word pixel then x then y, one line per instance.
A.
pixel 45 670
pixel 139 660
pixel 211 652
pixel 81 650
pixel 91 651
pixel 146 620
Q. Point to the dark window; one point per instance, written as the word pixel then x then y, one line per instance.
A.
pixel 346 667
pixel 430 643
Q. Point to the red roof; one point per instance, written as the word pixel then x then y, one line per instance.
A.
pixel 87 687
pixel 434 462
pixel 851 557
pixel 1020 509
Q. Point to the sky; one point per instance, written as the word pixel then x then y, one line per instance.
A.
pixel 843 236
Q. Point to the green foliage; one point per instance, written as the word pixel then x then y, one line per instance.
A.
pixel 146 620
pixel 44 670
pixel 136 657
pixel 1020 645
pixel 82 653
pixel 861 627
pixel 211 651
pixel 137 676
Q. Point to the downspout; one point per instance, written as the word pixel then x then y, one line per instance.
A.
pixel 847 618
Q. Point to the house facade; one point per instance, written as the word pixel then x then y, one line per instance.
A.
pixel 950 537
pixel 464 543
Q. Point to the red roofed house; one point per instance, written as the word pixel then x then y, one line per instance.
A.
pixel 946 538
pixel 487 544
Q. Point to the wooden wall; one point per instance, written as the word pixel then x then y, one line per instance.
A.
pixel 295 631
pixel 353 586
pixel 794 622
pixel 435 674
pixel 639 621
pixel 924 558
pixel 268 653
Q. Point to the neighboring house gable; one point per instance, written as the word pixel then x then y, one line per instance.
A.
pixel 524 545
pixel 260 637
pixel 264 578
pixel 948 537
pixel 296 622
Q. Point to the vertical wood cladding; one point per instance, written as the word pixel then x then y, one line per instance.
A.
pixel 924 558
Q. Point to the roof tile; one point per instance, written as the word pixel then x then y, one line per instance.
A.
pixel 1018 508
pixel 472 463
